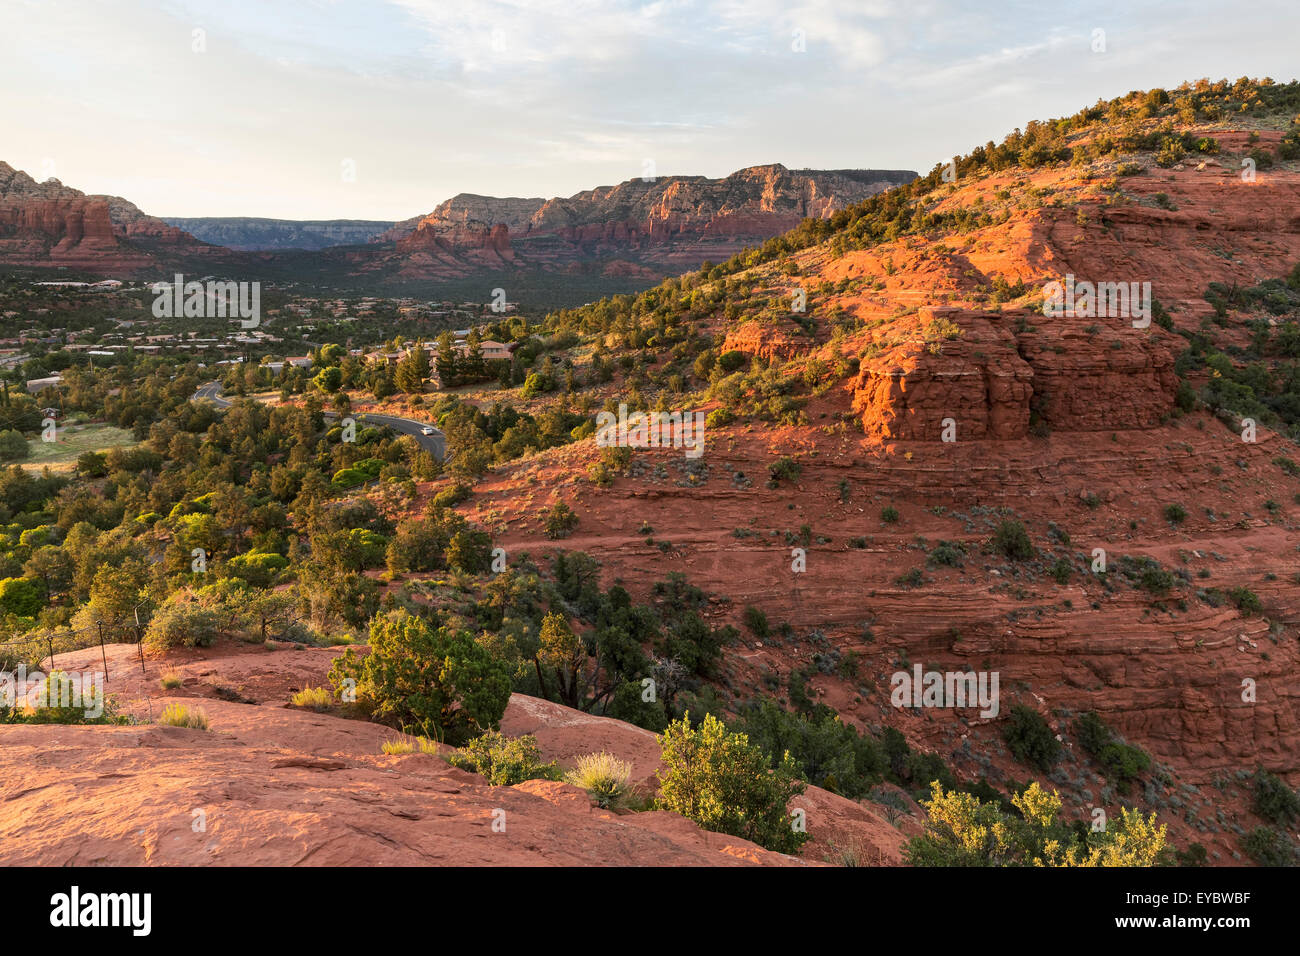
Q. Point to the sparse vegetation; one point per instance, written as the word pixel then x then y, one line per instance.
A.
pixel 313 698
pixel 602 775
pixel 503 760
pixel 178 715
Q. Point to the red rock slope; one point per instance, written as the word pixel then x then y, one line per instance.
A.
pixel 272 785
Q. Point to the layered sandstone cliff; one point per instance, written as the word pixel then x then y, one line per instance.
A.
pixel 993 381
pixel 670 222
pixel 51 224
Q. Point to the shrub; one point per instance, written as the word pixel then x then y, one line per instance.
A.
pixel 1175 514
pixel 536 384
pixel 92 464
pixel 829 753
pixel 1169 153
pixel 1194 855
pixel 450 497
pixel 1091 732
pixel 470 552
pixel 1273 799
pixel 1246 600
pixel 911 579
pixel 784 469
pixel 1030 738
pixel 723 783
pixel 183 621
pixel 1062 570
pixel 178 715
pixel 1012 540
pixel 560 521
pixel 442 682
pixel 258 568
pixel 21 597
pixel 13 446
pixel 1123 763
pixel 603 776
pixel 756 621
pixel 1269 847
pixel 171 680
pixel 313 698
pixel 616 457
pixel 1119 761
pixel 948 553
pixel 960 830
pixel 60 700
pixel 733 360
pixel 503 760
pixel 719 417
pixel 1147 574
pixel 889 514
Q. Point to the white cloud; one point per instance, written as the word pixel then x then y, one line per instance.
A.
pixel 575 93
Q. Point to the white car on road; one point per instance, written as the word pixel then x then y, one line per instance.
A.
pixel 426 430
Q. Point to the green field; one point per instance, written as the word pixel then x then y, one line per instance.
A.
pixel 73 441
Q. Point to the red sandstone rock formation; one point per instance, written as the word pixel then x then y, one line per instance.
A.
pixel 988 378
pixel 51 224
pixel 671 223
pixel 1066 424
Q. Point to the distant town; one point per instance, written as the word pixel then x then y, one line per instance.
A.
pixel 38 333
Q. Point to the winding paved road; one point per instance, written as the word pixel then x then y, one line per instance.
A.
pixel 435 443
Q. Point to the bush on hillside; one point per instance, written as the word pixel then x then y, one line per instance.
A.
pixel 504 761
pixel 437 682
pixel 1031 739
pixel 725 784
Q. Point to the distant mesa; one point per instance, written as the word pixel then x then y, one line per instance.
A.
pixel 668 224
pixel 247 234
pixel 757 202
pixel 635 232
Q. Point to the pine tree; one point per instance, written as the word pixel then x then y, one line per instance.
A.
pixel 413 369
pixel 475 368
pixel 446 361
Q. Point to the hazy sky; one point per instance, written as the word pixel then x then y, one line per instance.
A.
pixel 265 111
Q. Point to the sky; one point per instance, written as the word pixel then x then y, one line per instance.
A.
pixel 381 109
